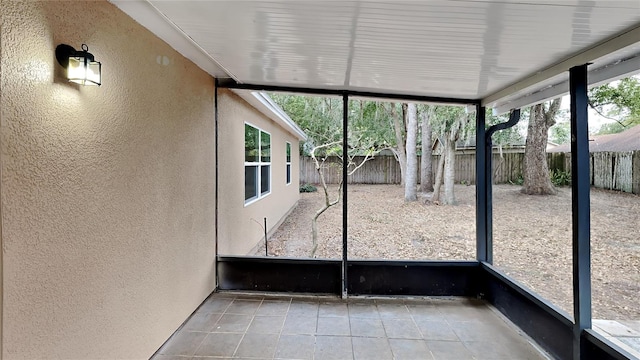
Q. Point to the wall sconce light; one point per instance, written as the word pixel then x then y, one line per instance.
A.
pixel 81 65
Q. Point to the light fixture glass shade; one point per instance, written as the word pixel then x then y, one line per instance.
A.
pixel 83 70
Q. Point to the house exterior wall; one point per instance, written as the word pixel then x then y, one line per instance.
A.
pixel 107 193
pixel 240 229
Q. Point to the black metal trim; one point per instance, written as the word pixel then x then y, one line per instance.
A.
pixel 538 300
pixel 276 260
pixel 548 326
pixel 514 117
pixel 417 278
pixel 216 136
pixel 314 276
pixel 426 263
pixel 483 231
pixel 232 84
pixel 597 347
pixel 580 206
pixel 345 169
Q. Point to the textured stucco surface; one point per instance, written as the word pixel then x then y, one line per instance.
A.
pixel 107 193
pixel 239 226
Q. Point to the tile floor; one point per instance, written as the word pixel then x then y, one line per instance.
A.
pixel 624 333
pixel 240 326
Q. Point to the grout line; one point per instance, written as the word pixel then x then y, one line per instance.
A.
pixel 247 329
pixel 275 350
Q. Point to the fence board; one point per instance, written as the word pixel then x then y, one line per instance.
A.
pixel 623 171
pixel 635 171
pixel 602 176
pixel 386 169
pixel 609 170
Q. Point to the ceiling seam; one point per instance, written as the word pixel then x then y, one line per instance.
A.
pixel 193 42
pixel 352 44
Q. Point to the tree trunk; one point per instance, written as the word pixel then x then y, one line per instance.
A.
pixel 435 198
pixel 535 168
pixel 449 171
pixel 426 168
pixel 411 180
pixel 399 150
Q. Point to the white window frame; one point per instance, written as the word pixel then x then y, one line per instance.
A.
pixel 259 164
pixel 288 176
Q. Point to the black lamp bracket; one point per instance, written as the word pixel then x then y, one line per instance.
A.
pixel 64 51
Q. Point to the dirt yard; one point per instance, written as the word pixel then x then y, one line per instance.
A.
pixel 532 238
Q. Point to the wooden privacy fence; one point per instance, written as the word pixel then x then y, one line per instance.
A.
pixel 386 169
pixel 609 170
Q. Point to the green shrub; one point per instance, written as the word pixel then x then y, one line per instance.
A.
pixel 307 188
pixel 560 178
pixel 517 181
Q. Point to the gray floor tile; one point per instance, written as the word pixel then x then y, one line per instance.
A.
pixel 333 309
pixel 409 349
pixel 502 351
pixel 303 308
pixel 467 310
pixel 215 305
pixel 363 310
pixel 170 357
pixel 257 327
pixel 393 311
pixel 371 348
pixel 300 325
pixel 257 345
pixel 634 324
pixel 219 345
pixel 448 350
pixel 401 329
pixel 232 323
pixel 333 348
pixel 243 307
pixel 201 322
pixel 333 326
pixel 367 327
pixel 614 328
pixel 425 312
pixel 273 307
pixel 482 331
pixel 250 297
pixel 277 297
pixel 183 343
pixel 295 347
pixel 266 325
pixel 436 330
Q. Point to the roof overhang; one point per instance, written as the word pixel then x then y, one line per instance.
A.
pixel 500 53
pixel 263 103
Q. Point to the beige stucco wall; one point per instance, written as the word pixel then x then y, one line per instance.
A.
pixel 239 229
pixel 107 193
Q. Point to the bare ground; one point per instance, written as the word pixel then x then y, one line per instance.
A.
pixel 532 238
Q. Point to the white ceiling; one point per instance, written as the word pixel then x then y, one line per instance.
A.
pixel 492 50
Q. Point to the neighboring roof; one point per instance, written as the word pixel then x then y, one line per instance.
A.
pixel 263 103
pixel 504 53
pixel 628 140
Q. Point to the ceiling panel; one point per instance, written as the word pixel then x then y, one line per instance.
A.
pixel 451 48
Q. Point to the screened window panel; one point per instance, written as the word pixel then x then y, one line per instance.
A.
pixel 250 182
pixel 265 147
pixel 251 143
pixel 265 181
